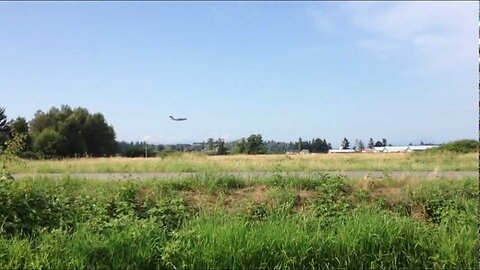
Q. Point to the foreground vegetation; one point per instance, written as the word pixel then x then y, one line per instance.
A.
pixel 189 162
pixel 221 222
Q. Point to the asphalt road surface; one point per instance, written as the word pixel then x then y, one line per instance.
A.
pixel 172 175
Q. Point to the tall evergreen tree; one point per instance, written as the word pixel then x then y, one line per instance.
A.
pixel 345 143
pixel 20 126
pixel 3 128
pixel 359 146
pixel 221 150
pixel 371 144
pixel 3 120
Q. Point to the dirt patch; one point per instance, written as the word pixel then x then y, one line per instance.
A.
pixel 231 200
pixel 368 183
pixel 236 200
pixel 396 198
pixel 392 196
pixel 393 193
pixel 198 200
pixel 257 193
pixel 304 199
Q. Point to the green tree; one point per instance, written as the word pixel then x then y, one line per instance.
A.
pixel 384 142
pixel 10 147
pixel 221 150
pixel 240 147
pixel 319 146
pixel 99 136
pixel 83 133
pixel 254 145
pixel 345 143
pixel 359 146
pixel 3 120
pixel 210 145
pixel 20 127
pixel 371 144
pixel 3 128
pixel 72 128
pixel 9 154
pixel 39 123
pixel 49 142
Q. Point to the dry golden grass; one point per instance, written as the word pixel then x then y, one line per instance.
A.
pixel 244 163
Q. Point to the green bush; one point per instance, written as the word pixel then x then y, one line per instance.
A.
pixel 324 182
pixel 30 155
pixel 284 202
pixel 26 209
pixel 170 213
pixel 461 146
pixel 216 183
pixel 87 224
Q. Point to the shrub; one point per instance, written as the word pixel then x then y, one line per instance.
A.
pixel 461 146
pixel 170 213
pixel 26 209
pixel 216 183
pixel 256 211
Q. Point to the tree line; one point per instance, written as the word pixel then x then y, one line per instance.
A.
pixel 75 132
pixel 61 132
pixel 359 145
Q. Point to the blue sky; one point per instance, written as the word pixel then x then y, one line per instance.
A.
pixel 404 71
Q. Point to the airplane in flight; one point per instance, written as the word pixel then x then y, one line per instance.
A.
pixel 177 119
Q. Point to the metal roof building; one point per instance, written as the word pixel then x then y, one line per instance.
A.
pixel 338 151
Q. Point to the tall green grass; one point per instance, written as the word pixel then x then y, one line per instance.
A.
pixel 75 223
pixel 366 239
pixel 133 244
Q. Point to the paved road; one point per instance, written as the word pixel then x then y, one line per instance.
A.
pixel 169 175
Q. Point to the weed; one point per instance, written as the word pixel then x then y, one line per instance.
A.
pixel 256 211
pixel 72 223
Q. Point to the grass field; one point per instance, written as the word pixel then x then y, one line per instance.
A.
pixel 223 222
pixel 245 163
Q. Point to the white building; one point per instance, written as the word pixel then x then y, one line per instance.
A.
pixel 395 149
pixel 402 149
pixel 414 148
pixel 386 149
pixel 368 150
pixel 338 151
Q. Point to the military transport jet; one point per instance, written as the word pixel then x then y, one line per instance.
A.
pixel 177 119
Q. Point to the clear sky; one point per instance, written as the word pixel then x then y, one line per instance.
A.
pixel 404 71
